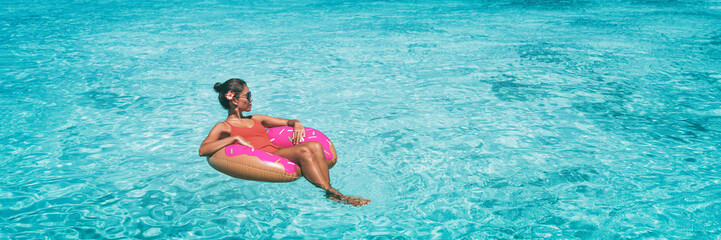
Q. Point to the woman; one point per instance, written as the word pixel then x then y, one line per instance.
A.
pixel 234 95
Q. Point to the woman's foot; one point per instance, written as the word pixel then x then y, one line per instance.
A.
pixel 340 198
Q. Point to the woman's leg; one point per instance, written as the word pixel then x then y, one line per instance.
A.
pixel 303 155
pixel 317 150
pixel 314 166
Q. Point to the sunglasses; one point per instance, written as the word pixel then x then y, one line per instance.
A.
pixel 247 96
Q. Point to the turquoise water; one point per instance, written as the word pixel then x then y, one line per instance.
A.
pixel 471 120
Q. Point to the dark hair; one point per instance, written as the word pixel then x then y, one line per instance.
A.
pixel 235 85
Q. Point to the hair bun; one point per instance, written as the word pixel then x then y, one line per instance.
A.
pixel 218 87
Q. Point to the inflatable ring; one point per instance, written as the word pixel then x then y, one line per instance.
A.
pixel 248 163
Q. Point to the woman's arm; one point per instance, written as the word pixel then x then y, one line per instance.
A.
pixel 213 142
pixel 268 121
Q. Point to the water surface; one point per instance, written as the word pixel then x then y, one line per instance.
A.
pixel 463 119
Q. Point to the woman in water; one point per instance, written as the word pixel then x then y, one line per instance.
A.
pixel 234 95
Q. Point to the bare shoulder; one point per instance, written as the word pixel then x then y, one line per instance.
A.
pixel 269 121
pixel 260 117
pixel 221 127
pixel 219 130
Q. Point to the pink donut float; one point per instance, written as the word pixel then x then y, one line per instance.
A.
pixel 248 163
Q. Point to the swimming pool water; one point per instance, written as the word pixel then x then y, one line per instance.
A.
pixel 460 120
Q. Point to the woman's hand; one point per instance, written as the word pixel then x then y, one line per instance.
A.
pixel 298 132
pixel 242 141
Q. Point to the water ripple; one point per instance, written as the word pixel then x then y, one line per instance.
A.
pixel 506 119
